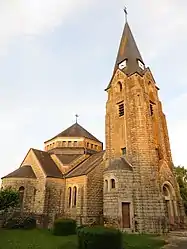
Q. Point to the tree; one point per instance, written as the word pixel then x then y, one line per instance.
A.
pixel 181 174
pixel 9 198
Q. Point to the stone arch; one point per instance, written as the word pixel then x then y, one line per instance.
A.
pixel 21 196
pixel 74 196
pixel 170 202
pixel 69 196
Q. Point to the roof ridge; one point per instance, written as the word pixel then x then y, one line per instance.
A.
pixel 75 130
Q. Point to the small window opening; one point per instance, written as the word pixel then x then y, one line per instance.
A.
pixel 75 143
pixel 121 110
pixel 106 186
pixel 21 195
pixel 88 145
pixel 151 109
pixel 69 143
pixel 69 197
pixel 91 146
pixel 120 88
pixel 124 151
pixel 113 184
pixel 64 143
pixel 74 196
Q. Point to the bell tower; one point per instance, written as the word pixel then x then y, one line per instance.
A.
pixel 136 129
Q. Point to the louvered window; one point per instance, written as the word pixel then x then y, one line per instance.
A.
pixel 121 110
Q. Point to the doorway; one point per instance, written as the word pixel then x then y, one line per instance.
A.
pixel 125 215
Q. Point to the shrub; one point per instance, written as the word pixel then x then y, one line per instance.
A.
pixel 100 238
pixel 63 227
pixel 21 223
pixel 29 223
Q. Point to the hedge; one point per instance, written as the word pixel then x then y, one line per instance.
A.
pixel 99 238
pixel 21 223
pixel 64 227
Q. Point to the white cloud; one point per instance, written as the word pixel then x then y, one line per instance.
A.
pixel 33 17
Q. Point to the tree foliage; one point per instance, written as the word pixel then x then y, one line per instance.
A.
pixel 181 174
pixel 9 198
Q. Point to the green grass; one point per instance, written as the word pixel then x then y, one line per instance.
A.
pixel 43 239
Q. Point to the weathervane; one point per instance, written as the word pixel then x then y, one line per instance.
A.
pixel 126 13
pixel 76 116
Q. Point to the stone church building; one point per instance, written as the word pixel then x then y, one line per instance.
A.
pixel 131 184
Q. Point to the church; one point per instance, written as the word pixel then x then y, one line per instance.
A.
pixel 131 184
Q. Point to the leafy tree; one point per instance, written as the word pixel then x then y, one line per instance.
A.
pixel 181 174
pixel 9 198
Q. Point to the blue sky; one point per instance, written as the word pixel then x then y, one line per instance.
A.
pixel 57 57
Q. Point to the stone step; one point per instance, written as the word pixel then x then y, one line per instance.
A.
pixel 180 233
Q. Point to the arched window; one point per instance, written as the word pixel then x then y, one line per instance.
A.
pixel 21 195
pixel 113 184
pixel 74 196
pixel 106 186
pixel 120 87
pixel 69 197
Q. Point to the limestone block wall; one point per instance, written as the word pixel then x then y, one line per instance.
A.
pixel 95 193
pixel 80 209
pixel 30 199
pixel 114 197
pixel 31 160
pixel 54 197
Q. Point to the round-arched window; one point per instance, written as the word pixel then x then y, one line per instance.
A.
pixel 113 184
pixel 120 87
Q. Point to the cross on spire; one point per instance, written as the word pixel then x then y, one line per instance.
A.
pixel 126 13
pixel 76 116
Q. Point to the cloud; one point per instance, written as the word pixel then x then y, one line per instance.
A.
pixel 29 18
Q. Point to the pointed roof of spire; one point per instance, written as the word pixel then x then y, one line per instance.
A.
pixel 129 52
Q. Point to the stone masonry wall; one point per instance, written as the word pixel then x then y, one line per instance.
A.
pixel 55 197
pixel 30 201
pixel 31 160
pixel 80 210
pixel 113 198
pixel 95 193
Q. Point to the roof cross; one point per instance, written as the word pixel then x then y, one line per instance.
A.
pixel 76 116
pixel 126 13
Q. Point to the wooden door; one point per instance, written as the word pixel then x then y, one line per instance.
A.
pixel 126 215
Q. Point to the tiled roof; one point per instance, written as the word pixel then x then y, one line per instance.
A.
pixel 47 164
pixel 76 130
pixel 67 158
pixel 87 166
pixel 119 164
pixel 23 172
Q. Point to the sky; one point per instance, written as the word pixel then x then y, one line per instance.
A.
pixel 57 57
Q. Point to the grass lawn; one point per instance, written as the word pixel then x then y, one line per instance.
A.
pixel 43 239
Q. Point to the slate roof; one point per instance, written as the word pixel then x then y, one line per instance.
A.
pixel 119 164
pixel 23 172
pixel 67 158
pixel 48 165
pixel 129 51
pixel 88 165
pixel 76 130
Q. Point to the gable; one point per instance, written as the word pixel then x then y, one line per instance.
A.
pixel 30 159
pixel 47 164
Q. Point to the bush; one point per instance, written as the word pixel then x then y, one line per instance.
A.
pixel 100 238
pixel 63 227
pixel 21 223
pixel 29 223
